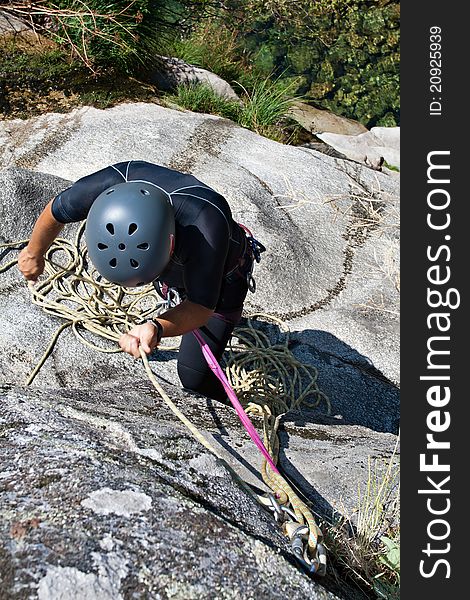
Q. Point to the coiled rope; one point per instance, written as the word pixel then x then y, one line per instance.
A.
pixel 271 382
pixel 267 378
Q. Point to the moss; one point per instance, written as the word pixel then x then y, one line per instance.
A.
pixel 302 57
pixel 343 49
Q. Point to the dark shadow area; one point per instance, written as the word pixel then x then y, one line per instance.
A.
pixel 4 252
pixel 359 393
pixel 226 445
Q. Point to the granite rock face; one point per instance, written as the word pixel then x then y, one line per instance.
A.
pixel 104 493
pixel 330 226
pixel 102 502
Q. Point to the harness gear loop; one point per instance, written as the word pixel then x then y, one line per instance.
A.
pixel 170 295
pixel 245 264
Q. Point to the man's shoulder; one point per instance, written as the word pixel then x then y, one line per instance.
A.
pixel 171 180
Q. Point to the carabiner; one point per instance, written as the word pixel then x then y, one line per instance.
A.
pixel 290 512
pixel 250 280
pixel 256 247
pixel 275 507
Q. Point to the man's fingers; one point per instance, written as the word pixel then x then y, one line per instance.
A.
pixel 130 344
pixel 147 337
pixel 142 335
pixel 145 347
pixel 134 347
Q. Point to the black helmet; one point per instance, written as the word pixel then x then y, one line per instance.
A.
pixel 130 233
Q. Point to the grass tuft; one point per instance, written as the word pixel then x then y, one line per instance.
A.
pixel 264 109
pixel 364 547
pixel 202 98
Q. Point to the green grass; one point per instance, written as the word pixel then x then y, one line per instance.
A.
pixel 213 48
pixel 263 109
pixel 266 105
pixel 368 552
pixel 391 167
pixel 201 98
pixel 36 80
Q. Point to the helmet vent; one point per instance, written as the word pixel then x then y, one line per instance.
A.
pixel 113 262
pixel 102 246
pixel 109 192
pixel 110 228
pixel 144 246
pixel 145 192
pixel 134 263
pixel 132 228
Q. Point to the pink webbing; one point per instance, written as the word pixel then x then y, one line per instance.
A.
pixel 216 369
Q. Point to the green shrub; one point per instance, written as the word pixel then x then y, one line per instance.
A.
pixel 214 48
pixel 263 108
pixel 201 98
pixel 266 104
pixel 117 33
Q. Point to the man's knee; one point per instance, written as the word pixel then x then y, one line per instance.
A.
pixel 191 379
pixel 204 383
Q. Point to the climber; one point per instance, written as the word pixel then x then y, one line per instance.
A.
pixel 147 223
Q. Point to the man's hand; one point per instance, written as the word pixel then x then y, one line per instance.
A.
pixel 30 264
pixel 145 335
pixel 45 230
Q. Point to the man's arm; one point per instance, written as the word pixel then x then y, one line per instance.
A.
pixel 177 321
pixel 31 258
pixel 71 205
pixel 183 318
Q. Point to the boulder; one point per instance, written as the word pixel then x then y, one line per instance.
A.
pixel 316 121
pixel 10 24
pixel 105 498
pixel 172 72
pixel 373 147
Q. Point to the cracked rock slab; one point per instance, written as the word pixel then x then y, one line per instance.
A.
pixel 186 532
pixel 103 488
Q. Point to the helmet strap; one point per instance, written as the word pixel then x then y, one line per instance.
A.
pixel 172 244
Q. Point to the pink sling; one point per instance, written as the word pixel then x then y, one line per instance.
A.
pixel 216 369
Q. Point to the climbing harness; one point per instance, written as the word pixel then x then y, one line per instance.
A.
pixel 266 377
pixel 246 262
